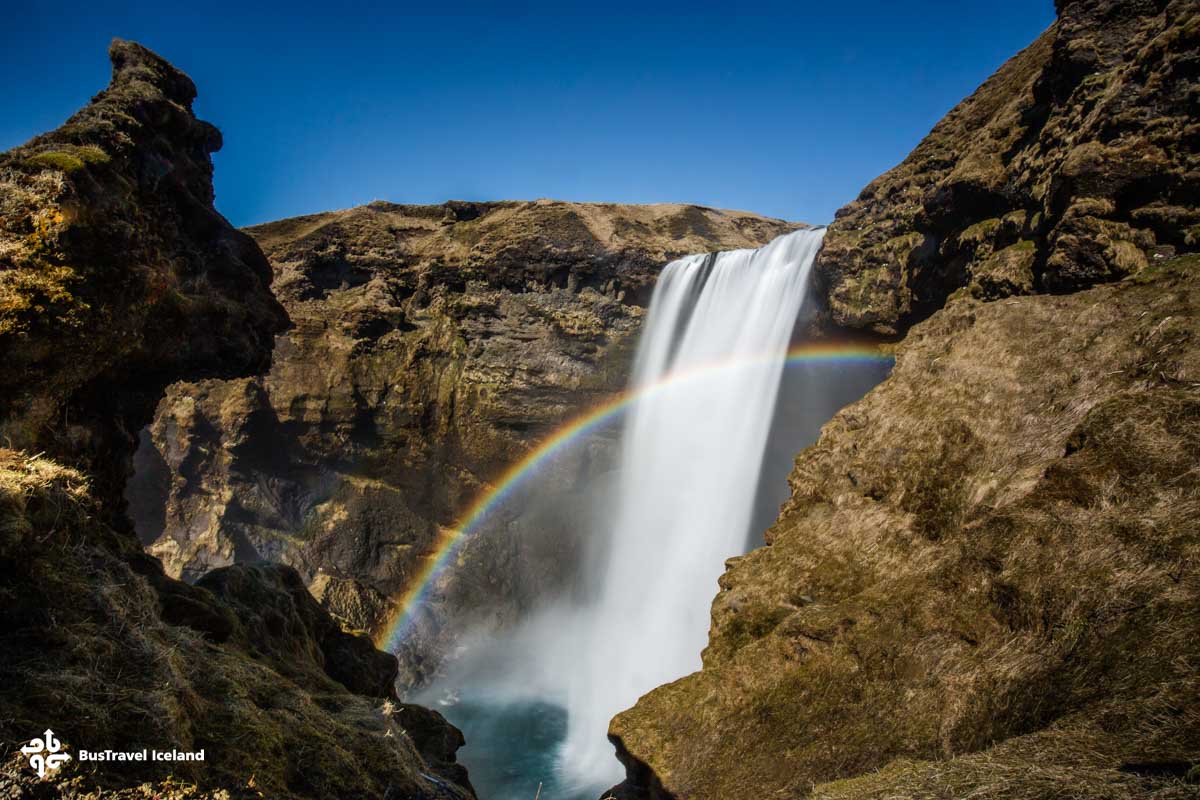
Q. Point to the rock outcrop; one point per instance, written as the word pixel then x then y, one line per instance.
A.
pixel 118 277
pixel 985 581
pixel 1075 164
pixel 433 346
pixel 104 649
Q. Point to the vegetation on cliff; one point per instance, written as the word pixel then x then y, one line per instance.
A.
pixel 1076 163
pixel 118 277
pixel 100 646
pixel 113 263
pixel 997 545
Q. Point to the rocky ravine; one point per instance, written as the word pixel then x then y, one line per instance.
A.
pixel 432 346
pixel 985 582
pixel 118 277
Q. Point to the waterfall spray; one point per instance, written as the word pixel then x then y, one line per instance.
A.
pixel 690 463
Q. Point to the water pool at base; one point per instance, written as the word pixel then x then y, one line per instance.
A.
pixel 512 747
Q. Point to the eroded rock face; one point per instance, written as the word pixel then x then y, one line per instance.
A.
pixel 985 581
pixel 1075 164
pixel 117 277
pixel 433 346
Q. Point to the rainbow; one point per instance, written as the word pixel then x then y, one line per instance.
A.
pixel 449 538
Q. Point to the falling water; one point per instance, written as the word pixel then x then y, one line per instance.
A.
pixel 690 462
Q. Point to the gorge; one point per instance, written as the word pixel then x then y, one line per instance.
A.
pixel 904 506
pixel 687 480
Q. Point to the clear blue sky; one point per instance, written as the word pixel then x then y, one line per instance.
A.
pixel 784 109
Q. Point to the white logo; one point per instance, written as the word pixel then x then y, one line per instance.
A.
pixel 52 759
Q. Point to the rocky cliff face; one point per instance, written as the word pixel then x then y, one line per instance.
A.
pixel 117 277
pixel 1075 164
pixel 104 649
pixel 433 346
pixel 984 583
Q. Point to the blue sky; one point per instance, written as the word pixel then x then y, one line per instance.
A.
pixel 783 109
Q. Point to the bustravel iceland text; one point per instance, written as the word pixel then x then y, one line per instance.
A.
pixel 141 755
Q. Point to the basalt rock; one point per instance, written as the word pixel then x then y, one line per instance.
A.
pixel 1077 163
pixel 117 277
pixel 433 347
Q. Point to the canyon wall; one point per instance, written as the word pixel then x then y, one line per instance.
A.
pixel 118 277
pixel 432 347
pixel 985 581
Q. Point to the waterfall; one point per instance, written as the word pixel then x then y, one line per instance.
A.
pixel 709 366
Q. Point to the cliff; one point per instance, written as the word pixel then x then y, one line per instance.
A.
pixel 1075 164
pixel 984 583
pixel 118 277
pixel 432 347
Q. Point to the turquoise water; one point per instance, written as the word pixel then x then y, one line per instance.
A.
pixel 512 747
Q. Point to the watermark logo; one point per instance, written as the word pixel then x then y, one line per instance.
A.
pixel 43 753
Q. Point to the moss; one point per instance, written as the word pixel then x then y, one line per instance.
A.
pixel 901 247
pixel 1127 257
pixel 1157 269
pixel 56 159
pixel 92 154
pixel 750 624
pixel 980 231
pixel 1005 272
pixel 69 158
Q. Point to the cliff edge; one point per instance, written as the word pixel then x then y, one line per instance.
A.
pixel 1075 164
